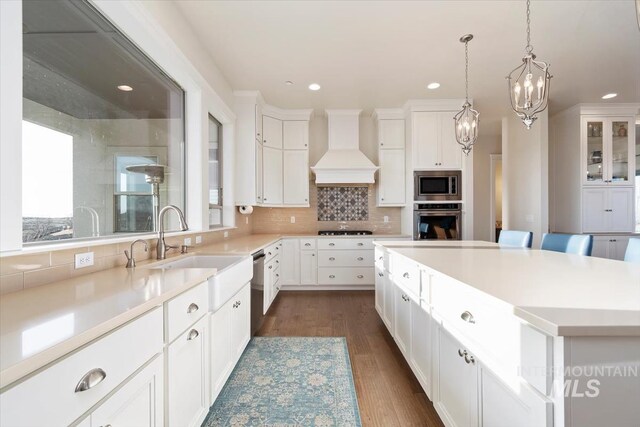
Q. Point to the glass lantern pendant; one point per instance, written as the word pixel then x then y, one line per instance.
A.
pixel 466 120
pixel 529 83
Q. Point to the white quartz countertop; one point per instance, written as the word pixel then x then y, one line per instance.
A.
pixel 562 294
pixel 40 325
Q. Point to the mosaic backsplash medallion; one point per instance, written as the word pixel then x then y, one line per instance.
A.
pixel 343 203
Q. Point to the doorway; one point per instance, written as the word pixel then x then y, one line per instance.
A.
pixel 495 205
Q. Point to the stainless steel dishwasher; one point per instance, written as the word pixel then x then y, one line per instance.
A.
pixel 257 292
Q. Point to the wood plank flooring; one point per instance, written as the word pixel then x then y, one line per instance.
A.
pixel 388 393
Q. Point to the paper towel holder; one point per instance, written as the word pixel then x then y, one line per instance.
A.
pixel 246 209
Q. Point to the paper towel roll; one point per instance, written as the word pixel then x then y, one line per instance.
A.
pixel 246 210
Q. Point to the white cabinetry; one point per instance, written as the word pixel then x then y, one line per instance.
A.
pixel 402 323
pixel 296 134
pixel 434 143
pixel 230 333
pixel 607 209
pixel 272 184
pixel 308 267
pixel 610 246
pixel 295 177
pixel 391 157
pixel 290 269
pixel 421 345
pixel 272 132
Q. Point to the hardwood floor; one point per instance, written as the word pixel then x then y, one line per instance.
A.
pixel 388 392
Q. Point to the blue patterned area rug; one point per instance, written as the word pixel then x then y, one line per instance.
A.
pixel 292 382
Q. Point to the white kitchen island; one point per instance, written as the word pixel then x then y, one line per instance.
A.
pixel 515 337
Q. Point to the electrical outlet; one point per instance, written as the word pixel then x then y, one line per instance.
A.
pixel 293 220
pixel 84 260
pixel 386 218
pixel 226 234
pixel 187 241
pixel 198 240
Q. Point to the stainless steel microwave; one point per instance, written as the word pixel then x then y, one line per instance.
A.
pixel 437 185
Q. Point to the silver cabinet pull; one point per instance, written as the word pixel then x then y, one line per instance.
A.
pixel 277 275
pixel 91 379
pixel 278 287
pixel 360 244
pixel 277 261
pixel 313 254
pixel 468 317
pixel 332 259
pixel 193 307
pixel 469 359
pixel 381 274
pixel 332 244
pixel 360 276
pixel 360 258
pixel 193 334
pixel 462 353
pixel 380 257
pixel 405 275
pixel 270 267
pixel 332 276
pixel 269 252
pixel 307 244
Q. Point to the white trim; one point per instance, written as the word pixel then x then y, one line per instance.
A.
pixel 416 105
pixel 388 114
pixel 493 159
pixel 327 288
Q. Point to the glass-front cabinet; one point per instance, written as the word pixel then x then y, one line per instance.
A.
pixel 609 150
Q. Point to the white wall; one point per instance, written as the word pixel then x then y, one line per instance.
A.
pixel 525 168
pixel 486 145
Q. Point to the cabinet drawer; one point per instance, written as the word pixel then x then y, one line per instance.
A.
pixel 185 309
pixel 345 243
pixel 306 244
pixel 272 265
pixel 50 397
pixel 345 258
pixel 345 276
pixel 273 250
pixel 481 319
pixel 405 272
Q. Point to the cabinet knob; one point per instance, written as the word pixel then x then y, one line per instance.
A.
pixel 270 267
pixel 332 244
pixel 467 317
pixel 470 359
pixel 305 145
pixel 360 244
pixel 193 307
pixel 332 276
pixel 313 254
pixel 277 275
pixel 360 258
pixel 360 276
pixel 406 275
pixel 332 259
pixel 193 334
pixel 307 244
pixel 91 379
pixel 278 287
pixel 381 198
pixel 462 353
pixel 381 274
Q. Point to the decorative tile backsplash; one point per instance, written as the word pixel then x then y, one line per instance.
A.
pixel 343 204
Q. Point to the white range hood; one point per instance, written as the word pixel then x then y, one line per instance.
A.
pixel 344 163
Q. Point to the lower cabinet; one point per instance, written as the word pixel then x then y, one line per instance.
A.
pixel 140 402
pixel 308 267
pixel 230 329
pixel 611 247
pixel 379 291
pixel 402 322
pixel 389 302
pixel 456 385
pixel 421 345
pixel 291 262
pixel 187 377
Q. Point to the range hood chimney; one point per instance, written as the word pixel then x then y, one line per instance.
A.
pixel 344 163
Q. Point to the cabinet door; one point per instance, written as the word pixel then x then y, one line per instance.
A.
pixel 600 246
pixel 308 268
pixel 290 268
pixel 296 134
pixel 620 215
pixel 240 322
pixel 450 150
pixel 187 370
pixel 139 403
pixel 593 155
pixel 618 247
pixel 268 286
pixel 379 294
pixel 272 181
pixel 220 347
pixel 421 345
pixel 296 177
pixel 389 303
pixel 595 210
pixel 391 186
pixel 259 172
pixel 621 151
pixel 391 134
pixel 258 119
pixel 457 383
pixel 425 140
pixel 402 322
pixel 272 132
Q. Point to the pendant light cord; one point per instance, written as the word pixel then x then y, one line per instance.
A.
pixel 466 70
pixel 528 48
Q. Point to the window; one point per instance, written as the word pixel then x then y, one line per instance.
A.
pixel 103 128
pixel 215 173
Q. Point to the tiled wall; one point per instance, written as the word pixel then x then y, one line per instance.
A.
pixel 278 220
pixel 27 271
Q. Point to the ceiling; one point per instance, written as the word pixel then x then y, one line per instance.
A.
pixel 74 60
pixel 375 54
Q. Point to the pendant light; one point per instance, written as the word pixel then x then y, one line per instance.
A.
pixel 466 120
pixel 527 101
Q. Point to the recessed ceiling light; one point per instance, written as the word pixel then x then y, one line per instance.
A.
pixel 288 82
pixel 434 85
pixel 610 95
pixel 314 86
pixel 125 88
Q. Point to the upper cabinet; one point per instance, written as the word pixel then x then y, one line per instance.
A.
pixel 391 157
pixel 607 156
pixel 272 153
pixel 434 141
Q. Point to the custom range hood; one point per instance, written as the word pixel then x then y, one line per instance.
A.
pixel 344 163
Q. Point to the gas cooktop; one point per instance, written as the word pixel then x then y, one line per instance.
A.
pixel 344 232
